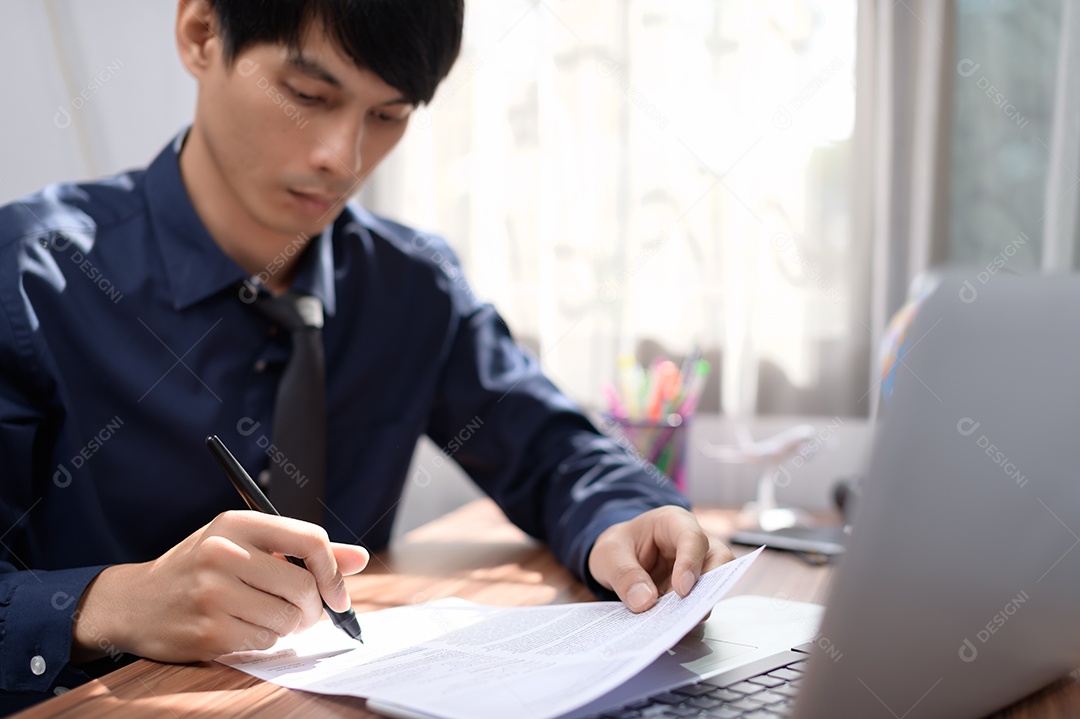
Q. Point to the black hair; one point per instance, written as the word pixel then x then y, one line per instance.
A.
pixel 410 44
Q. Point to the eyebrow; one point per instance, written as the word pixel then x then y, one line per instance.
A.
pixel 311 68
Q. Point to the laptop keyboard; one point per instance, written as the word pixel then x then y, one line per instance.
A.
pixel 766 695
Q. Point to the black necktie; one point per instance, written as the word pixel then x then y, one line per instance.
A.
pixel 298 473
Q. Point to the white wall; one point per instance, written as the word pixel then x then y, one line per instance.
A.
pixel 94 88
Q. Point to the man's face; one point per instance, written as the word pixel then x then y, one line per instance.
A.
pixel 294 133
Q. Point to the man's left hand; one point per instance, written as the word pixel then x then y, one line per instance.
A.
pixel 662 549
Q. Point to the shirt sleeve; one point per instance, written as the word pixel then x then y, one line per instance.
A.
pixel 37 607
pixel 37 611
pixel 531 448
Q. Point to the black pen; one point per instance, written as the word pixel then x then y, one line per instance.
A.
pixel 257 501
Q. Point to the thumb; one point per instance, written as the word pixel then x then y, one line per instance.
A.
pixel 618 569
pixel 350 558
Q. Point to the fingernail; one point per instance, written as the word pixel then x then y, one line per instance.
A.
pixel 638 596
pixel 687 580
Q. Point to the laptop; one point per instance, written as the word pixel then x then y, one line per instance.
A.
pixel 959 592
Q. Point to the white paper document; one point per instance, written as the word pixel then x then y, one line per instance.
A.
pixel 459 660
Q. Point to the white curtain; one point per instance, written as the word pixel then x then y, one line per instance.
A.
pixel 637 176
pixel 1061 233
pixel 905 52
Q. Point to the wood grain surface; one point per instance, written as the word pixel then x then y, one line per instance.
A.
pixel 473 553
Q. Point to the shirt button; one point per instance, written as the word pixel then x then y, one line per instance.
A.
pixel 260 366
pixel 264 478
pixel 60 690
pixel 37 665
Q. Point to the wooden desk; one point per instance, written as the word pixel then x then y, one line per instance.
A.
pixel 473 553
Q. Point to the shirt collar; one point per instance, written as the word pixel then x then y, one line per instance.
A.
pixel 195 266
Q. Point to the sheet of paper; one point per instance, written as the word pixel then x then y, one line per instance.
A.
pixel 459 660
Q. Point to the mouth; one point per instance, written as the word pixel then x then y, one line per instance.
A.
pixel 314 202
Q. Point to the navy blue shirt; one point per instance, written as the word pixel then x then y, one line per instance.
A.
pixel 127 336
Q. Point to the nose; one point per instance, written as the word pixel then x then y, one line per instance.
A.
pixel 337 151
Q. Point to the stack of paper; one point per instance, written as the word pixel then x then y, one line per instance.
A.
pixel 459 660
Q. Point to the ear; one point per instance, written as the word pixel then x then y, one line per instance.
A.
pixel 196 36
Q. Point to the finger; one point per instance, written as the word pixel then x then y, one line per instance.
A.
pixel 349 557
pixel 680 539
pixel 719 553
pixel 268 574
pixel 692 547
pixel 614 563
pixel 303 540
pixel 696 551
pixel 264 610
pixel 236 635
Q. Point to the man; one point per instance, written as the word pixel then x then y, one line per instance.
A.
pixel 133 324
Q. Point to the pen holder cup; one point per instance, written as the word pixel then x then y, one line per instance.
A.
pixel 661 443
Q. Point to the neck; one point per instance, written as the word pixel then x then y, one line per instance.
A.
pixel 259 251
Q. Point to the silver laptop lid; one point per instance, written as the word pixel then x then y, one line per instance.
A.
pixel 960 591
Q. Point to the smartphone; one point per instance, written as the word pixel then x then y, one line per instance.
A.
pixel 819 540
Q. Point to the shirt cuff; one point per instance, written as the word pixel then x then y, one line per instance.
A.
pixel 37 611
pixel 583 545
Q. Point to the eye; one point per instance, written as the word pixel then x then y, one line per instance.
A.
pixel 388 118
pixel 305 98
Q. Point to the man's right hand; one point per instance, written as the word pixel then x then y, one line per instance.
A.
pixel 225 588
